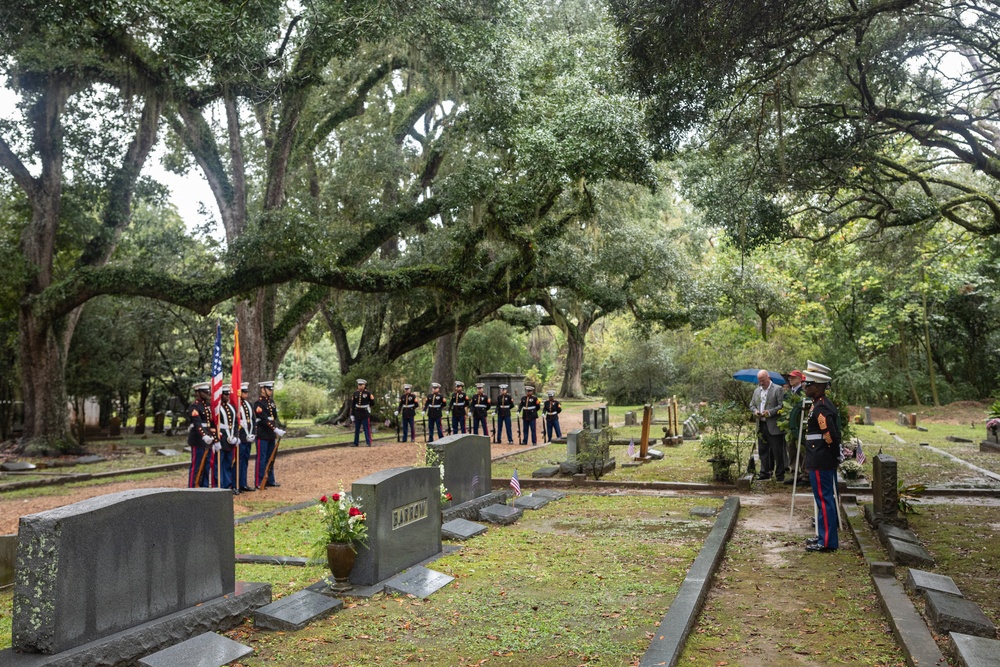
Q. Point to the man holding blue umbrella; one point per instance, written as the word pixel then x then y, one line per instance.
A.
pixel 765 405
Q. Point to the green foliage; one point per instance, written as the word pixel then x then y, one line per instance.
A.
pixel 731 439
pixel 297 399
pixel 908 495
pixel 994 410
pixel 639 371
pixel 593 450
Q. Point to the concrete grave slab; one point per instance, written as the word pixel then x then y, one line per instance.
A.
pixel 905 553
pixel 295 611
pixel 702 511
pixel 167 452
pixel 461 529
pixel 294 561
pixel 17 466
pixel 948 613
pixel 420 582
pixel 880 568
pixel 955 438
pixel 919 581
pixel 470 509
pixel 975 651
pixel 570 467
pixel 551 494
pixel 502 515
pixel 655 454
pixel 207 650
pixel 886 531
pixel 545 472
pixel 530 502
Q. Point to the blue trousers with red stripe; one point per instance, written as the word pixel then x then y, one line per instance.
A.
pixel 264 449
pixel 362 424
pixel 823 488
pixel 201 457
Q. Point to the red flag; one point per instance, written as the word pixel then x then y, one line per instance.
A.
pixel 234 394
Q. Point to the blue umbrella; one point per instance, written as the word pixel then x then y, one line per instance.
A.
pixel 750 375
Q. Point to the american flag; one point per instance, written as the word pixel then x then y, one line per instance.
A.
pixel 859 454
pixel 631 448
pixel 234 393
pixel 515 483
pixel 217 373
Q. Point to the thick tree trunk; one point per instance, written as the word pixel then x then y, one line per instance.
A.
pixel 572 384
pixel 43 385
pixel 445 360
pixel 253 343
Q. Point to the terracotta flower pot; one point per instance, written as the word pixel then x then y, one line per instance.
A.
pixel 340 559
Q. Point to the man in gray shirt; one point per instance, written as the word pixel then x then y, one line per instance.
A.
pixel 765 405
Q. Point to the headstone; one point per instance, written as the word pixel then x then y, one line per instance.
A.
pixel 8 552
pixel 295 611
pixel 420 582
pixel 630 418
pixel 502 515
pixel 551 494
pixel 205 650
pixel 868 416
pixel 158 422
pixel 531 502
pixel 989 446
pixel 655 454
pixel 84 460
pixel 461 529
pixel 17 466
pixel 604 416
pixel 104 565
pixel 167 452
pixel 467 465
pixel 572 447
pixel 545 472
pixel 919 581
pixel 955 438
pixel 886 531
pixel 470 508
pixel 140 423
pixel 975 651
pixel 588 420
pixel 906 553
pixel 885 491
pixel 403 510
pixel 702 511
pixel 114 427
pixel 690 431
pixel 911 420
pixel 570 467
pixel 948 613
pixel 880 568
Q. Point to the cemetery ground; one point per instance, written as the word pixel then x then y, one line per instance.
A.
pixel 585 580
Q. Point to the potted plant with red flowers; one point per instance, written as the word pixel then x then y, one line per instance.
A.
pixel 343 527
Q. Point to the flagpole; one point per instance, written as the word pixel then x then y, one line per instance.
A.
pixel 795 475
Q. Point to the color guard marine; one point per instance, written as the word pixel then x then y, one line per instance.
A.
pixel 505 403
pixel 456 406
pixel 823 456
pixel 268 432
pixel 408 409
pixel 247 435
pixel 433 407
pixel 528 410
pixel 480 403
pixel 228 441
pixel 551 409
pixel 201 439
pixel 361 412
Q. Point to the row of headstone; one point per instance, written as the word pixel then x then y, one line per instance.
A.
pixel 948 611
pixel 908 420
pixel 596 418
pixel 690 429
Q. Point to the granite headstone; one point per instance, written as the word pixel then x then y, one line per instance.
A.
pixel 420 582
pixel 295 611
pixel 467 465
pixel 948 613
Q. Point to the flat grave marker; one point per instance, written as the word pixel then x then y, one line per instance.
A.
pixel 206 650
pixel 420 582
pixel 295 611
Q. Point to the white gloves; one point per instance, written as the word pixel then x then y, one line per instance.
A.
pixel 234 441
pixel 280 432
pixel 396 413
pixel 216 447
pixel 207 439
pixel 352 419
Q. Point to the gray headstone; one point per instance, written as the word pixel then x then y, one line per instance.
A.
pixel 975 651
pixel 467 465
pixel 295 611
pixel 470 508
pixel 868 416
pixel 572 440
pixel 906 553
pixel 690 429
pixel 158 422
pixel 655 454
pixel 84 460
pixel 919 581
pixel 948 613
pixel 17 466
pixel 8 553
pixel 531 502
pixel 167 452
pixel 886 531
pixel 630 418
pixel 461 529
pixel 885 493
pixel 503 515
pixel 880 568
pixel 403 510
pixel 159 551
pixel 420 582
pixel 704 511
pixel 955 438
pixel 588 419
pixel 545 472
pixel 207 650
pixel 570 467
pixel 551 494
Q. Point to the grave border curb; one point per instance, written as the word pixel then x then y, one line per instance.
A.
pixel 677 623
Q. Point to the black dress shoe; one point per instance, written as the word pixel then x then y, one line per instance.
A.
pixel 818 547
pixel 247 489
pixel 274 484
pixel 812 540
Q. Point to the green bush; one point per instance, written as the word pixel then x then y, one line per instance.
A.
pixel 298 399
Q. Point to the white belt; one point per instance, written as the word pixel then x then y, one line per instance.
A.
pixel 814 436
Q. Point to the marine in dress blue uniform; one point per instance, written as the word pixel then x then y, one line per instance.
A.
pixel 361 412
pixel 822 446
pixel 480 403
pixel 433 407
pixel 456 407
pixel 528 410
pixel 266 422
pixel 201 438
pixel 505 403
pixel 551 408
pixel 228 442
pixel 247 434
pixel 407 409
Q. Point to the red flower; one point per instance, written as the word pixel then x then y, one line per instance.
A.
pixel 335 497
pixel 323 499
pixel 354 511
pixel 447 496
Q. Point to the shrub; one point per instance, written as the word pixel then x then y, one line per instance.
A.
pixel 298 399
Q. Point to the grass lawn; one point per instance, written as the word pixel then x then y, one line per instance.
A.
pixel 582 579
pixel 918 464
pixel 967 451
